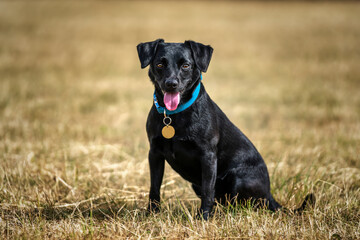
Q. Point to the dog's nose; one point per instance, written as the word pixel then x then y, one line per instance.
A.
pixel 171 84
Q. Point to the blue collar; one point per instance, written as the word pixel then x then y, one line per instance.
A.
pixel 182 107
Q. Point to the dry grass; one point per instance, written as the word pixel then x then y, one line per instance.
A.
pixel 73 105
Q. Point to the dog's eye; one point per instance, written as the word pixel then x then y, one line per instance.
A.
pixel 185 66
pixel 159 65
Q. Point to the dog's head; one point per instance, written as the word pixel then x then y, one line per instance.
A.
pixel 174 67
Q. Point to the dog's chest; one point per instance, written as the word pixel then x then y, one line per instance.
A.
pixel 184 156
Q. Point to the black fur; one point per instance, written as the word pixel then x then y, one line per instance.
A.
pixel 207 150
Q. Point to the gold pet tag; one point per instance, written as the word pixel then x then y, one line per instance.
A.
pixel 168 131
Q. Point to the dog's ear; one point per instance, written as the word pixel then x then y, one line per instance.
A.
pixel 147 51
pixel 201 53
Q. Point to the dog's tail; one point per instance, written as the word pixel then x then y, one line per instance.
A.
pixel 308 201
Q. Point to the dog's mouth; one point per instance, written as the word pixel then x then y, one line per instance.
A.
pixel 171 100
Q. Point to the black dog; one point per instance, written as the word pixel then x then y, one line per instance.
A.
pixel 195 136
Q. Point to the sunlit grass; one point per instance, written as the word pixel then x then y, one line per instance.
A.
pixel 74 101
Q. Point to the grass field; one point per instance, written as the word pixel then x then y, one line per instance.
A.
pixel 74 101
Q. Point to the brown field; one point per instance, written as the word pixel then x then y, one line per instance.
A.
pixel 74 101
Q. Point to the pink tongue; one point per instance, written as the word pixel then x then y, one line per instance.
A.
pixel 171 100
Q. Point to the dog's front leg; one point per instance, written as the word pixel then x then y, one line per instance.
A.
pixel 208 171
pixel 156 162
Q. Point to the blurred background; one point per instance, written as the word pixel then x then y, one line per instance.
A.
pixel 74 101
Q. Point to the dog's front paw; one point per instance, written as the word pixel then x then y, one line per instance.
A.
pixel 203 215
pixel 153 207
